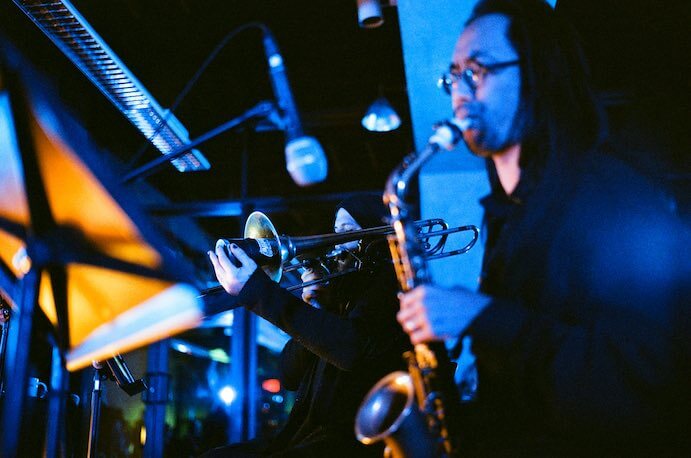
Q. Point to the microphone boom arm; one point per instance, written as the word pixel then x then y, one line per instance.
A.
pixel 261 109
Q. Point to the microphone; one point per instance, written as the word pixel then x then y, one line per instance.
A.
pixel 122 375
pixel 305 159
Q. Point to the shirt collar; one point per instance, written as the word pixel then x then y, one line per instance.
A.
pixel 498 204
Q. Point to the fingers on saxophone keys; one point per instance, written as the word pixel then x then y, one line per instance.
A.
pixel 411 298
pixel 408 320
pixel 419 336
pixel 419 331
pixel 408 311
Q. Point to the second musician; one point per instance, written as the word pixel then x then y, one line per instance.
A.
pixel 338 349
pixel 581 327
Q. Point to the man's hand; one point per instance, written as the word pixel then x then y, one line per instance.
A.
pixel 430 313
pixel 230 276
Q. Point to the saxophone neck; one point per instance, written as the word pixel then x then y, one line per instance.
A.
pixel 447 134
pixel 398 184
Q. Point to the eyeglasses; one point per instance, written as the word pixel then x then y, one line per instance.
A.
pixel 472 74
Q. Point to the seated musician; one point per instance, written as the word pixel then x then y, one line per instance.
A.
pixel 338 349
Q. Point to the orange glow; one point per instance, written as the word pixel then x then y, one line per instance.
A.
pixel 272 385
pixel 9 246
pixel 108 311
pixel 46 299
pixel 79 200
pixel 131 313
pixel 97 296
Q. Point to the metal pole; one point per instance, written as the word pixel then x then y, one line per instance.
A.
pixel 57 394
pixel 156 398
pixel 243 412
pixel 5 316
pixel 17 360
pixel 94 419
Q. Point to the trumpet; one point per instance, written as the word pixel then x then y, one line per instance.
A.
pixel 275 253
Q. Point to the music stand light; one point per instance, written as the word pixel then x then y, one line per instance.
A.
pixel 76 243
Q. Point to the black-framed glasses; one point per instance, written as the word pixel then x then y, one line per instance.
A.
pixel 472 74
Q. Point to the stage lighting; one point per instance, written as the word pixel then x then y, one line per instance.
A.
pixel 381 117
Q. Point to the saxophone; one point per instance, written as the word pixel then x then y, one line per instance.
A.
pixel 387 413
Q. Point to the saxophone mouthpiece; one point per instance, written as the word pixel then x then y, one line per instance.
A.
pixel 462 124
pixel 448 133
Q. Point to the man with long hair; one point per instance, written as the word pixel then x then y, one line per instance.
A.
pixel 581 326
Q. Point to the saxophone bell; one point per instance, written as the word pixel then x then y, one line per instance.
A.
pixel 389 413
pixel 430 427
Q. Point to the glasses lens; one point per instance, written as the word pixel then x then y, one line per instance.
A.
pixel 470 77
pixel 445 82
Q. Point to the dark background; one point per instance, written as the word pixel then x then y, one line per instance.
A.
pixel 335 69
pixel 638 50
pixel 639 53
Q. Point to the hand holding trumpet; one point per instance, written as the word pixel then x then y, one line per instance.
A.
pixel 231 274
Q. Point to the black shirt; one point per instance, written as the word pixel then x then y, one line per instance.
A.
pixel 585 345
pixel 333 359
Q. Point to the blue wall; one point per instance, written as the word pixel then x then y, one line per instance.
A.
pixel 452 182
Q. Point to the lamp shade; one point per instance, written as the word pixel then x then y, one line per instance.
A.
pixel 381 117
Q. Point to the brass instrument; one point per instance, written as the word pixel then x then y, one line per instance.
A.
pixel 387 412
pixel 274 253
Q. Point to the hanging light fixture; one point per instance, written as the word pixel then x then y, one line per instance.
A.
pixel 381 117
pixel 369 14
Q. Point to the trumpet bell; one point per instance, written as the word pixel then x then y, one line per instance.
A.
pixel 259 227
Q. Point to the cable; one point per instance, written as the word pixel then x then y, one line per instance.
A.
pixel 190 84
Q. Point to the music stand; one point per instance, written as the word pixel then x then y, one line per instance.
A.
pixel 75 243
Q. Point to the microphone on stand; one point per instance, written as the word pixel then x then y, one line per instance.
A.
pixel 305 158
pixel 122 375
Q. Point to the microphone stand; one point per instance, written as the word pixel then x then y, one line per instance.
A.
pixel 96 395
pixel 115 369
pixel 5 322
pixel 261 109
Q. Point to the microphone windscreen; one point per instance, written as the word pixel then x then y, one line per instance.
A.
pixel 306 161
